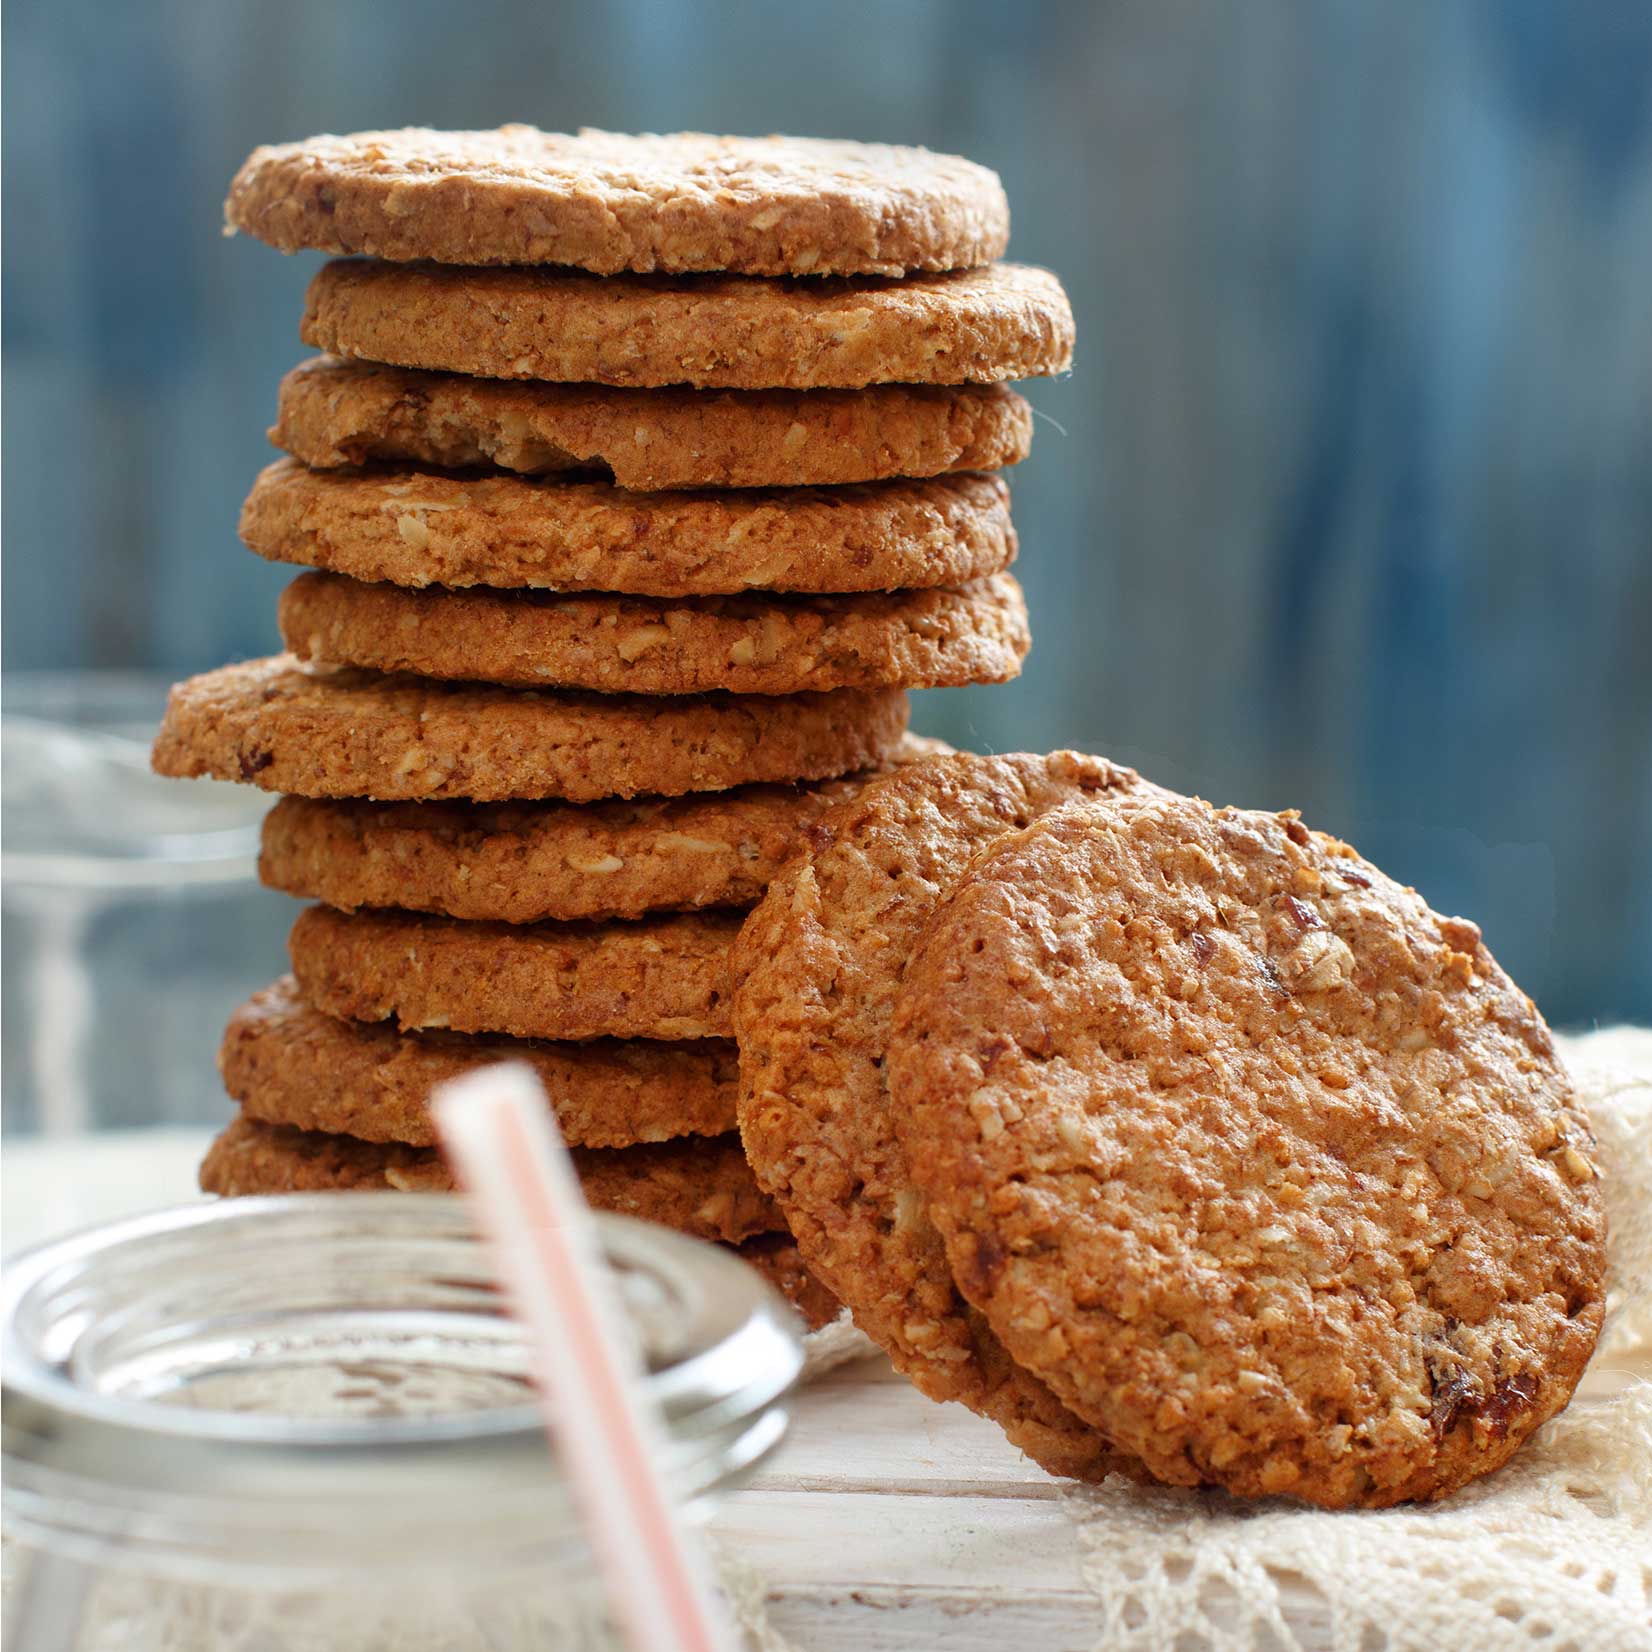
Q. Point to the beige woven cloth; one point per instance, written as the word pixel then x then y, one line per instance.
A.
pixel 1554 1552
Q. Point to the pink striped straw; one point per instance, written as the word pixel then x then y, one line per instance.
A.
pixel 498 1129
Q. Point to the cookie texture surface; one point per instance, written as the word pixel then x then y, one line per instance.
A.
pixel 287 1063
pixel 1268 1170
pixel 335 413
pixel 1007 321
pixel 643 645
pixel 699 1186
pixel 612 201
pixel 277 725
pixel 418 528
pixel 523 863
pixel 663 977
pixel 816 971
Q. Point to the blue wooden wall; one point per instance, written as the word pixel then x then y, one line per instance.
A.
pixel 1348 505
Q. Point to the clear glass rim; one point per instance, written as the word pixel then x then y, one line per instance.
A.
pixel 743 1355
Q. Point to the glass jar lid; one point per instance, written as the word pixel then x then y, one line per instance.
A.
pixel 299 1383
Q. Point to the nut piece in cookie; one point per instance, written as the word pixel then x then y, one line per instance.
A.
pixel 1267 1169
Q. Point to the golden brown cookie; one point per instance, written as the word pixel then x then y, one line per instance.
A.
pixel 524 863
pixel 612 201
pixel 336 412
pixel 1267 1169
pixel 417 528
pixel 1007 321
pixel 662 977
pixel 648 645
pixel 775 1256
pixel 816 970
pixel 360 734
pixel 289 1064
pixel 699 1185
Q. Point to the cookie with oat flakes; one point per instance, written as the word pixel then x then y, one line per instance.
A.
pixel 523 863
pixel 1267 1169
pixel 287 1063
pixel 751 644
pixel 346 733
pixel 1007 321
pixel 614 201
pixel 418 528
pixel 699 1185
pixel 662 977
pixel 334 413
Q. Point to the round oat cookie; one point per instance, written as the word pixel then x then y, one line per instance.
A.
pixel 287 1063
pixel 334 413
pixel 648 645
pixel 418 528
pixel 815 974
pixel 1008 321
pixel 662 977
pixel 612 201
pixel 347 733
pixel 522 863
pixel 1267 1169
pixel 699 1185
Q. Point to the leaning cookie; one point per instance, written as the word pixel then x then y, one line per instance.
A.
pixel 1267 1169
pixel 334 413
pixel 640 645
pixel 698 1185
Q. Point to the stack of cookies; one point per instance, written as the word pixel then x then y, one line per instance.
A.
pixel 641 479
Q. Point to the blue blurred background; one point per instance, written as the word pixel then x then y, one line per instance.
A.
pixel 1348 504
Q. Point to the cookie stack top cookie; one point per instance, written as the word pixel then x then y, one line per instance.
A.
pixel 612 202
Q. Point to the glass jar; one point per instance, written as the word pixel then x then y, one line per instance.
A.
pixel 303 1424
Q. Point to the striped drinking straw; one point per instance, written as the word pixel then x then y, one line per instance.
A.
pixel 501 1135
